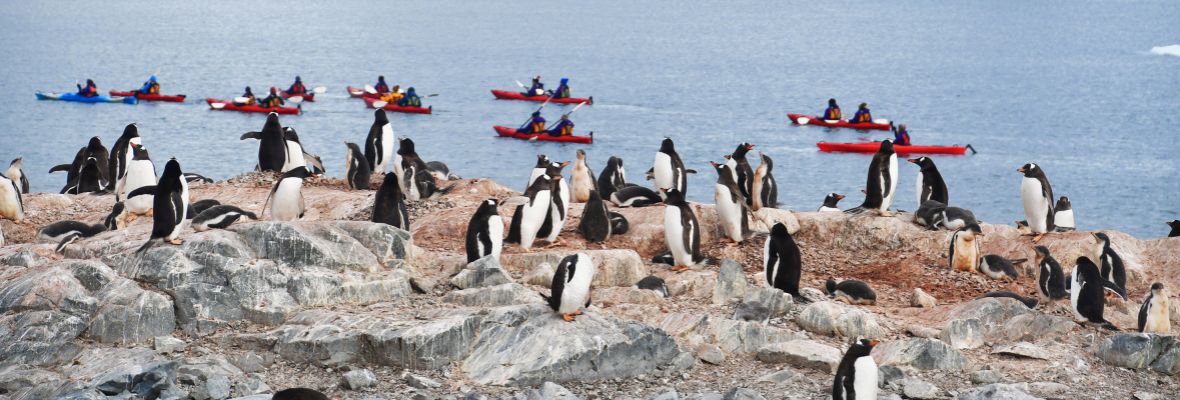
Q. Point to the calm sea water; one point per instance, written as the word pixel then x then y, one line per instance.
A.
pixel 1067 84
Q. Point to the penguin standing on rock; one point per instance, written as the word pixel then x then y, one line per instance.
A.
pixel 998 267
pixel 856 376
pixel 120 156
pixel 596 223
pixel 169 205
pixel 964 249
pixel 1086 293
pixel 930 184
pixel 17 174
pixel 356 170
pixel 612 178
pixel 11 205
pixel 559 210
pixel 830 203
pixel 781 261
pixel 1050 278
pixel 485 232
pixel 1112 265
pixel 389 206
pixel 416 179
pixel 743 174
pixel 570 289
pixel 287 195
pixel 272 148
pixel 668 170
pixel 295 156
pixel 1153 315
pixel 765 188
pixel 682 232
pixel 534 213
pixel 1036 194
pixel 139 172
pixel 881 185
pixel 582 180
pixel 732 209
pixel 851 291
pixel 379 143
pixel 219 217
pixel 1063 215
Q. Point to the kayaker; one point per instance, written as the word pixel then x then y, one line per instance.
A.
pixel 411 99
pixel 273 100
pixel 381 87
pixel 563 90
pixel 833 111
pixel 90 90
pixel 150 87
pixel 564 127
pixel 394 96
pixel 538 88
pixel 862 114
pixel 901 136
pixel 249 96
pixel 536 124
pixel 297 87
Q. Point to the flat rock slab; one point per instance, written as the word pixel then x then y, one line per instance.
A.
pixel 920 353
pixel 802 354
pixel 1023 349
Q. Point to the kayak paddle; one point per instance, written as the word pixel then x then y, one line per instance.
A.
pixel 526 122
pixel 295 99
pixel 319 90
pixel 217 106
pixel 571 111
pixel 369 89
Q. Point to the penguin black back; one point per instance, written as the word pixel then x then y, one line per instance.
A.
pixel 878 181
pixel 299 394
pixel 116 162
pixel 359 171
pixel 201 205
pixel 932 185
pixel 1112 264
pixel 389 206
pixel 480 239
pixel 1090 302
pixel 1027 301
pixel 595 224
pixel 612 177
pixel 1175 225
pixel 783 261
pixel 745 174
pixel 1050 278
pixel 272 148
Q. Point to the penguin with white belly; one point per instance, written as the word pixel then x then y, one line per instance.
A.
pixel 1036 195
pixel 765 188
pixel 881 185
pixel 12 206
pixel 1153 315
pixel 613 177
pixel 856 376
pixel 416 179
pixel 356 168
pixel 964 249
pixel 1112 264
pixel 781 261
pixel 539 169
pixel 831 203
pixel 731 206
pixel 534 213
pixel 286 196
pixel 65 232
pixel 170 201
pixel 668 170
pixel 930 184
pixel 120 156
pixel 954 218
pixel 379 144
pixel 272 147
pixel 570 289
pixel 1050 278
pixel 851 291
pixel 1086 296
pixel 743 174
pixel 1063 215
pixel 559 210
pixel 140 172
pixel 582 180
pixel 295 156
pixel 16 173
pixel 389 205
pixel 485 232
pixel 219 217
pixel 682 232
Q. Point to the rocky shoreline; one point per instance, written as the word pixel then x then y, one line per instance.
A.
pixel 365 311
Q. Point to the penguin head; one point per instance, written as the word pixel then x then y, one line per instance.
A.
pixel 272 122
pixel 95 144
pixel 131 131
pixel 722 169
pixel 830 286
pixel 115 220
pixel 667 147
pixel 1174 224
pixel 765 159
pixel 1042 252
pixel 870 343
pixel 405 146
pixel 139 152
pixel 886 147
pixel 554 168
pixel 617 162
pixel 16 162
pixel 171 171
pixel 542 161
pixel 832 103
pixel 779 230
pixel 673 197
pixel 1063 204
pixel 581 154
pixel 289 134
pixel 1030 170
pixel 1102 239
pixel 1156 288
pixel 923 163
pixel 742 149
pixel 379 117
pixel 973 228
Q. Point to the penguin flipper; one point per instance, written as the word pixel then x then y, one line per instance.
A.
pixel 251 135
pixel 66 241
pixel 690 171
pixel 142 190
pixel 61 168
pixel 1111 286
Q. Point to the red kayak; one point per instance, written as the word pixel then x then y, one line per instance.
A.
pixel 813 120
pixel 514 133
pixel 396 108
pixel 359 92
pixel 309 96
pixel 149 97
pixel 507 95
pixel 228 105
pixel 872 147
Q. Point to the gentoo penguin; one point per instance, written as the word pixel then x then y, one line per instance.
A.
pixel 559 211
pixel 570 290
pixel 682 233
pixel 930 214
pixel 781 261
pixel 830 203
pixel 219 217
pixel 140 172
pixel 272 147
pixel 539 169
pixel 117 219
pixel 485 232
pixel 955 218
pixel 930 184
pixel 534 213
pixel 287 195
pixel 634 196
pixel 765 188
pixel 65 232
pixel 998 267
pixel 1153 315
pixel 1063 215
pixel 17 174
pixel 732 209
pixel 169 205
pixel 582 180
pixel 653 283
pixel 1175 225
pixel 120 156
pixel 96 150
pixel 1112 264
pixel 196 178
pixel 612 178
pixel 299 394
pixel 881 185
pixel 417 181
pixel 379 143
pixel 90 179
pixel 1086 293
pixel 295 156
pixel 851 291
pixel 356 168
pixel 595 224
pixel 856 376
pixel 668 170
pixel 1037 197
pixel 389 206
pixel 12 206
pixel 1028 301
pixel 743 174
pixel 618 223
pixel 1050 278
pixel 199 206
pixel 964 249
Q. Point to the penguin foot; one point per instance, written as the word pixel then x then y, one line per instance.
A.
pixel 568 317
pixel 679 268
pixel 130 217
pixel 176 241
pixel 555 243
pixel 151 212
pixel 579 312
pixel 1038 237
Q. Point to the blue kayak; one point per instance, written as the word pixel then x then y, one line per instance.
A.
pixel 83 99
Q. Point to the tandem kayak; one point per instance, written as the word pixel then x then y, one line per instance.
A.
pixel 228 105
pixel 872 147
pixel 396 108
pixel 83 99
pixel 507 95
pixel 813 120
pixel 149 97
pixel 309 96
pixel 514 133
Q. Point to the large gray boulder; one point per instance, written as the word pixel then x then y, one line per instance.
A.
pixel 830 318
pixel 802 354
pixel 481 273
pixel 731 282
pixel 920 353
pixel 493 296
pixel 1133 350
pixel 129 314
pixel 139 371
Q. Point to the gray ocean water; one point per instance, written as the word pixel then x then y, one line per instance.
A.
pixel 1070 85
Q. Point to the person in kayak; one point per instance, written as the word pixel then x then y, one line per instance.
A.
pixel 90 90
pixel 901 136
pixel 150 87
pixel 563 89
pixel 538 88
pixel 381 87
pixel 536 124
pixel 273 100
pixel 411 99
pixel 862 114
pixel 833 111
pixel 297 87
pixel 394 96
pixel 249 96
pixel 564 127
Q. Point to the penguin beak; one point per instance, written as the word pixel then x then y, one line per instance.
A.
pixel 839 197
pixel 727 157
pixel 1020 170
pixel 714 164
pixel 749 147
pixel 874 342
pixel 913 160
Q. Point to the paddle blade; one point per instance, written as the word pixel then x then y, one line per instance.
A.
pixel 319 90
pixel 295 99
pixel 520 84
pixel 882 121
pixel 217 106
pixel 370 89
pixel 241 99
pixel 379 104
pixel 803 120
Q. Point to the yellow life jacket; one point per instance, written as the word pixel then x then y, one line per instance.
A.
pixel 538 127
